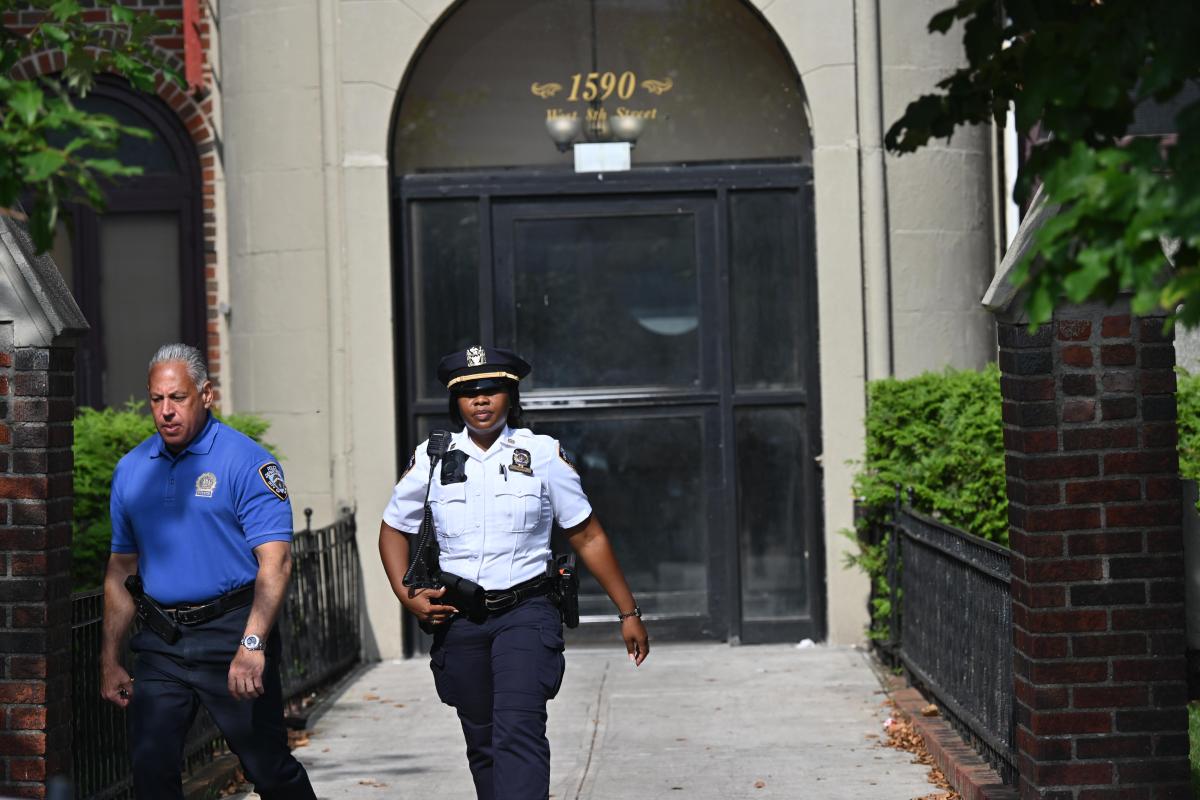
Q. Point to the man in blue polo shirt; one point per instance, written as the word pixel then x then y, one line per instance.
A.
pixel 200 514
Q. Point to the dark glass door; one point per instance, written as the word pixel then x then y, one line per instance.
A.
pixel 672 335
pixel 606 297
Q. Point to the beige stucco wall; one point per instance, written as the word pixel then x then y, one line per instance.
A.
pixel 278 322
pixel 308 95
pixel 939 208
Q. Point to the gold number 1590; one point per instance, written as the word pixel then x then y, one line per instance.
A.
pixel 602 85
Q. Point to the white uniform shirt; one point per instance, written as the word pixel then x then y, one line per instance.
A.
pixel 494 527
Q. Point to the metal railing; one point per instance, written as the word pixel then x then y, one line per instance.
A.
pixel 321 630
pixel 321 624
pixel 952 628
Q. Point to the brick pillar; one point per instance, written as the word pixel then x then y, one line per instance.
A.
pixel 36 407
pixel 1097 551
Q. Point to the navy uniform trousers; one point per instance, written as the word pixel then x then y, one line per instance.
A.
pixel 171 681
pixel 499 675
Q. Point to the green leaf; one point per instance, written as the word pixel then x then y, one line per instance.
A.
pixel 27 102
pixel 110 167
pixel 64 10
pixel 55 33
pixel 41 165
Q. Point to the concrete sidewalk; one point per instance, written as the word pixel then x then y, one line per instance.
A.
pixel 695 721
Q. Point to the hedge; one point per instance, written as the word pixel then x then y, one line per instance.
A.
pixel 940 436
pixel 101 438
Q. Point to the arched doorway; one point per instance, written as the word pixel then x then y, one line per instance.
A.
pixel 669 309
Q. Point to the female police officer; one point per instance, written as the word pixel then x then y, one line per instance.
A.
pixel 499 489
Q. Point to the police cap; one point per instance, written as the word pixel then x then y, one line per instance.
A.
pixel 478 368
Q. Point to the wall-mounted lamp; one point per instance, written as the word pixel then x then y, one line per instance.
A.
pixel 565 130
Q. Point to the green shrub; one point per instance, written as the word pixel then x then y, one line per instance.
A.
pixel 1194 748
pixel 940 435
pixel 101 439
pixel 1187 395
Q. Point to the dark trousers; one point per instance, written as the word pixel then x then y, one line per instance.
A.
pixel 499 674
pixel 171 681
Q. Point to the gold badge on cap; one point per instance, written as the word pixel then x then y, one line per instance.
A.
pixel 476 357
pixel 521 462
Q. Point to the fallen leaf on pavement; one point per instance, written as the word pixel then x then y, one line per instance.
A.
pixel 903 736
pixel 759 784
pixel 929 711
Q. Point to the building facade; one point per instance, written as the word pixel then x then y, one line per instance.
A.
pixel 388 180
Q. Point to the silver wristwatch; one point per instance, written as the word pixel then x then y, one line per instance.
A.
pixel 253 642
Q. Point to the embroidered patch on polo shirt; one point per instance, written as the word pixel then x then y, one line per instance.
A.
pixel 272 476
pixel 205 485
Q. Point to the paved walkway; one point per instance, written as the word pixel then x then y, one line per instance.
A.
pixel 695 721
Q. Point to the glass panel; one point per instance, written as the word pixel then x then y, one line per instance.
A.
pixel 607 302
pixel 769 310
pixel 706 79
pixel 771 449
pixel 654 515
pixel 152 155
pixel 445 248
pixel 139 297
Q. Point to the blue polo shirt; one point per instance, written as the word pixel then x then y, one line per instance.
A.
pixel 194 519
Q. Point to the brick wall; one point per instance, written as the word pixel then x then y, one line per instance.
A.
pixel 1089 413
pixel 36 406
pixel 195 111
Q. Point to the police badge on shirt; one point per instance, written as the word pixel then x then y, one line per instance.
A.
pixel 521 462
pixel 272 476
pixel 206 484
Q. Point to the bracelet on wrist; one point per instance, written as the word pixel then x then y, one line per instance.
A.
pixel 624 615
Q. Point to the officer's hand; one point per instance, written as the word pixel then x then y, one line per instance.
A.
pixel 245 674
pixel 637 641
pixel 115 685
pixel 424 607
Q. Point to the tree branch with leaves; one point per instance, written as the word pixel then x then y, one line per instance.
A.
pixel 51 152
pixel 1075 72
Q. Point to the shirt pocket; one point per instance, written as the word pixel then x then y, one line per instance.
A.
pixel 449 505
pixel 519 503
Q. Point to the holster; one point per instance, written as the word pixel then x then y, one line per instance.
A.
pixel 465 595
pixel 561 569
pixel 150 613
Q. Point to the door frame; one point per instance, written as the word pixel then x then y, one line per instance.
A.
pixel 549 186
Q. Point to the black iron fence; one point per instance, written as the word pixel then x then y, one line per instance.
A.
pixel 321 624
pixel 952 628
pixel 321 630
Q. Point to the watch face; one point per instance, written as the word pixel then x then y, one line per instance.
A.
pixel 251 642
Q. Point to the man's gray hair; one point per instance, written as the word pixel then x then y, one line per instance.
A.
pixel 192 359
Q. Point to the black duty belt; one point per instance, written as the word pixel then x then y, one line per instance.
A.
pixel 196 613
pixel 504 599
